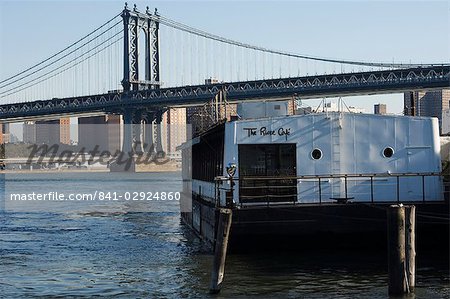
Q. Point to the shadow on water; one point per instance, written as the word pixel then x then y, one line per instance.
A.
pixel 329 266
pixel 322 274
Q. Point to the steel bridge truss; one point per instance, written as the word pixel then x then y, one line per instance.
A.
pixel 433 77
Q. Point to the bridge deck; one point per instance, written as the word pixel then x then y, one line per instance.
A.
pixel 377 82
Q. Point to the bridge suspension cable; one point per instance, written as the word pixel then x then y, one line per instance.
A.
pixel 61 68
pixel 63 50
pixel 83 67
pixel 25 73
pixel 192 30
pixel 189 56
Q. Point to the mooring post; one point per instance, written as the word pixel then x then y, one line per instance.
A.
pixel 220 251
pixel 410 239
pixel 401 249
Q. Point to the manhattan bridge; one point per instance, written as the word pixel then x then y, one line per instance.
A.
pixel 138 64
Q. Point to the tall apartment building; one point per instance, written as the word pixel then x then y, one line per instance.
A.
pixel 102 131
pixel 4 133
pixel 379 109
pixel 427 103
pixel 29 132
pixel 64 130
pixel 174 131
pixel 51 132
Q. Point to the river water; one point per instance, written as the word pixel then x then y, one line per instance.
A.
pixel 124 249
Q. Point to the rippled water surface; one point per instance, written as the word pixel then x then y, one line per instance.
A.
pixel 140 250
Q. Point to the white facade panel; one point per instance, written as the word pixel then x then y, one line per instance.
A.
pixel 351 144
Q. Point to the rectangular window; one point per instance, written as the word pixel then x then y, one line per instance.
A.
pixel 264 170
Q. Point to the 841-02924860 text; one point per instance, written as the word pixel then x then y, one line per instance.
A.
pixel 162 196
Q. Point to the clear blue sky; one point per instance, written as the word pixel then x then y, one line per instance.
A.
pixel 400 31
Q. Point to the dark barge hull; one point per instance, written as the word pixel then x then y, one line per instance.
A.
pixel 309 226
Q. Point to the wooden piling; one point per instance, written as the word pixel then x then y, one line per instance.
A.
pixel 410 242
pixel 401 249
pixel 396 250
pixel 220 251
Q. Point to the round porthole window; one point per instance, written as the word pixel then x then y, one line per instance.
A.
pixel 316 154
pixel 388 152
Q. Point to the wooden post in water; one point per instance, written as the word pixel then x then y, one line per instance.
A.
pixel 401 249
pixel 220 251
pixel 410 242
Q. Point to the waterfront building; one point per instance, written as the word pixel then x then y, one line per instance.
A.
pixel 427 103
pixel 103 131
pixel 29 132
pixel 174 131
pixel 51 132
pixel 445 130
pixel 13 138
pixel 4 133
pixel 379 109
pixel 64 130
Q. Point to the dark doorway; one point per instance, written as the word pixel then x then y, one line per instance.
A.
pixel 263 172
